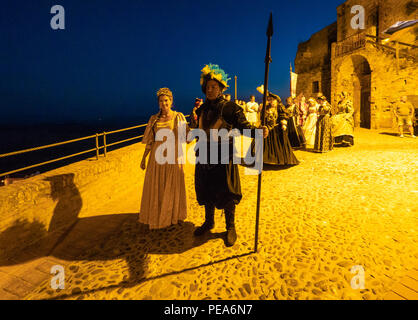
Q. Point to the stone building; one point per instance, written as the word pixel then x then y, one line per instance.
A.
pixel 373 67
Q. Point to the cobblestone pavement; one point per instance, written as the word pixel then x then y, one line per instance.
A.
pixel 350 207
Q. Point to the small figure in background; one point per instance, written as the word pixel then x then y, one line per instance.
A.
pixel 309 127
pixel 252 109
pixel 193 118
pixel 295 132
pixel 243 105
pixel 240 104
pixel 404 112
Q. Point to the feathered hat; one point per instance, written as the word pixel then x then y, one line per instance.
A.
pixel 213 72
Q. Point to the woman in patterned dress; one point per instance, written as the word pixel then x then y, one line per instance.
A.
pixel 323 136
pixel 295 132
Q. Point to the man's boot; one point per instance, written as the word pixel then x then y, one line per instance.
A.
pixel 231 234
pixel 209 221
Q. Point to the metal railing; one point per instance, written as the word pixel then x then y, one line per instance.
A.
pixel 97 148
pixel 359 41
pixel 350 44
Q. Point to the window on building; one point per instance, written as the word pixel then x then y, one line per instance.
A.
pixel 315 87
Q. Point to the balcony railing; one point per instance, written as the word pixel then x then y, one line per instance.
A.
pixel 350 44
pixel 359 41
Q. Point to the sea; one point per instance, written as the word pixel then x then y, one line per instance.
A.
pixel 20 136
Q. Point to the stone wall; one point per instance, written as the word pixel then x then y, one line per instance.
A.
pixel 379 15
pixel 37 207
pixel 340 72
pixel 344 17
pixel 392 11
pixel 313 62
pixel 387 82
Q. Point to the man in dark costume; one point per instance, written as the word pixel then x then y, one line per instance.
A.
pixel 218 185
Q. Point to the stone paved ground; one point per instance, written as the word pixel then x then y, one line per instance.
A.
pixel 350 207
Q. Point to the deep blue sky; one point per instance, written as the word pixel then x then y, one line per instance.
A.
pixel 114 55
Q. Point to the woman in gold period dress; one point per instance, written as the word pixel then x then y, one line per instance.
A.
pixel 164 198
pixel 309 127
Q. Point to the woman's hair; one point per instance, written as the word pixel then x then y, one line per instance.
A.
pixel 164 92
pixel 161 92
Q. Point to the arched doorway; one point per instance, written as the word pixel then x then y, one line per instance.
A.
pixel 362 73
pixel 354 76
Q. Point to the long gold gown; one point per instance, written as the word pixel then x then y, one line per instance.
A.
pixel 309 127
pixel 164 198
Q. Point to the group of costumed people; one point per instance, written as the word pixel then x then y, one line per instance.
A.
pixel 217 185
pixel 284 133
pixel 322 129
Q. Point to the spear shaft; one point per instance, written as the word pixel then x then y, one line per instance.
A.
pixel 267 62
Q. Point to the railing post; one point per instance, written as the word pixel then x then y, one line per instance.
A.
pixel 97 146
pixel 236 88
pixel 104 143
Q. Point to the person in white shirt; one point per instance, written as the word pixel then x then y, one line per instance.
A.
pixel 252 110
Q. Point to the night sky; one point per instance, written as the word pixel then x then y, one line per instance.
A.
pixel 113 56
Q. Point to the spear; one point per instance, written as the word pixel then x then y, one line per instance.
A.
pixel 267 62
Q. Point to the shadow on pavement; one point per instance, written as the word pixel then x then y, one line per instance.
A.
pixel 133 244
pixel 23 233
pixel 97 239
pixel 393 134
pixel 269 167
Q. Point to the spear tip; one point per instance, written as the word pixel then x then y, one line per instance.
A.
pixel 270 26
